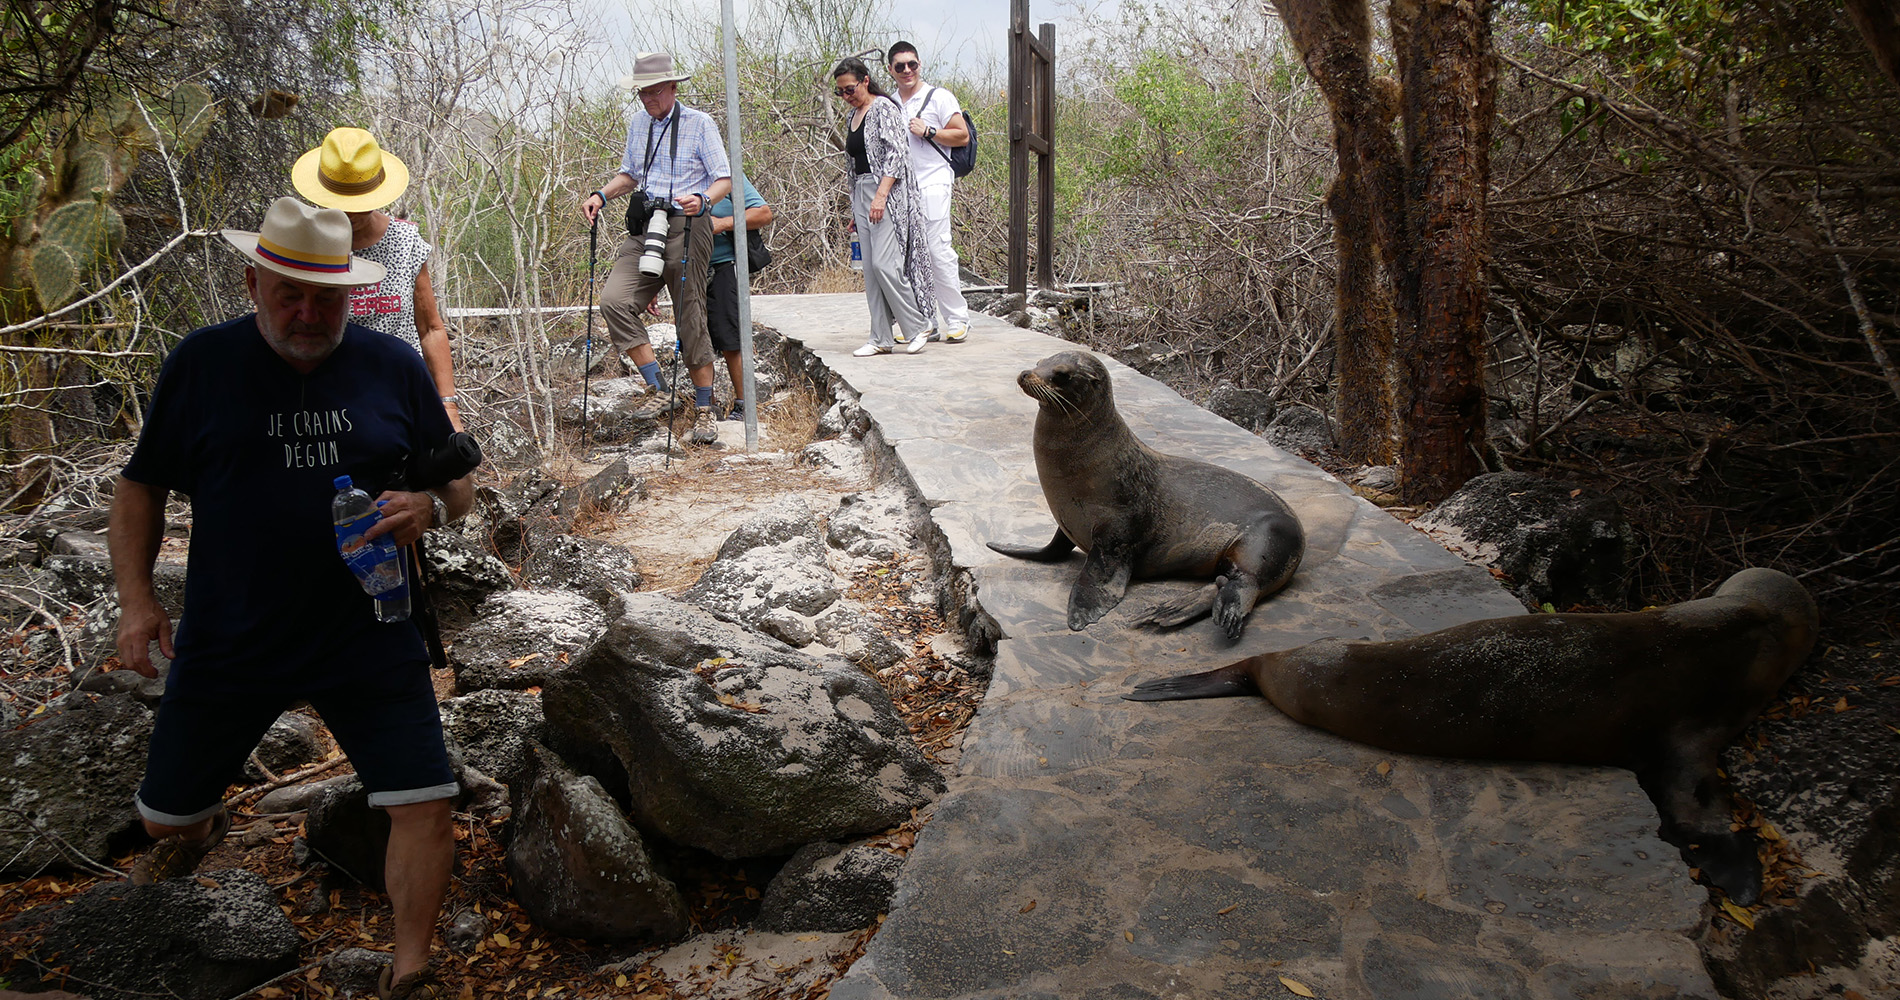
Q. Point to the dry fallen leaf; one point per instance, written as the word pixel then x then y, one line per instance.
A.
pixel 1841 706
pixel 1130 935
pixel 1027 907
pixel 1296 987
pixel 1740 913
pixel 1385 767
pixel 1230 909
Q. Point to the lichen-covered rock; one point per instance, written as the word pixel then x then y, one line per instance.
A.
pixel 1559 547
pixel 616 409
pixel 840 458
pixel 597 570
pixel 495 730
pixel 74 773
pixel 580 869
pixel 521 637
pixel 292 740
pixel 1251 409
pixel 828 888
pixel 730 741
pixel 216 935
pixel 342 830
pixel 875 524
pixel 1829 782
pixel 461 576
pixel 1301 430
pixel 612 488
pixel 524 514
pixel 354 972
pixel 774 561
pixel 856 638
pixel 845 419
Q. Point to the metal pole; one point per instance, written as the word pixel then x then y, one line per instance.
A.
pixel 587 352
pixel 741 265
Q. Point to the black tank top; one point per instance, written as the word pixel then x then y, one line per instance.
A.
pixel 854 145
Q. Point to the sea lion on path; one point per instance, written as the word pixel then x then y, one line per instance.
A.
pixel 1139 513
pixel 1660 692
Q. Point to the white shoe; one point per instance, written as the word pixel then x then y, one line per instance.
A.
pixel 956 334
pixel 870 350
pixel 916 345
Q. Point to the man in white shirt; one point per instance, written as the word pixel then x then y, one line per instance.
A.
pixel 935 126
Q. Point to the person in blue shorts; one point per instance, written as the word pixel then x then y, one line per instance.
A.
pixel 253 419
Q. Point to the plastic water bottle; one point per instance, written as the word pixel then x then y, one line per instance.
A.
pixel 378 564
pixel 857 252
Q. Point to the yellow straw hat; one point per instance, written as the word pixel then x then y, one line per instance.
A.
pixel 351 172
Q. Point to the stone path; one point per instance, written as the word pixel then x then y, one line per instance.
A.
pixel 1102 849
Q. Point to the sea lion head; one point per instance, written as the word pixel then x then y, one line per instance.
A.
pixel 1783 596
pixel 1071 384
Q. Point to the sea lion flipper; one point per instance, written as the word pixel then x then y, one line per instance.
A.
pixel 1226 682
pixel 1104 581
pixel 1057 550
pixel 1234 598
pixel 1178 611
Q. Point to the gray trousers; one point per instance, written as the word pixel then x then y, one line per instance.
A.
pixel 626 292
pixel 886 290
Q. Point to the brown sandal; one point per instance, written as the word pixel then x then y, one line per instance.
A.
pixel 175 856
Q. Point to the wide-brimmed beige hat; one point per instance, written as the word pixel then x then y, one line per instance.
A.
pixel 351 172
pixel 650 68
pixel 306 243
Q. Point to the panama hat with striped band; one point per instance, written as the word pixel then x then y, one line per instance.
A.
pixel 351 172
pixel 305 243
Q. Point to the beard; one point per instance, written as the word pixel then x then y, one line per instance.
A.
pixel 298 342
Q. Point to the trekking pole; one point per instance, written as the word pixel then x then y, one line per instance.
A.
pixel 673 375
pixel 587 350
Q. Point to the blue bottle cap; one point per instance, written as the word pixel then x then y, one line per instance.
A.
pixel 342 483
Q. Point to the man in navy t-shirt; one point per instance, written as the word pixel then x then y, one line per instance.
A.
pixel 253 419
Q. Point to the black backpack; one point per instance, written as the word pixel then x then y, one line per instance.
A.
pixel 962 159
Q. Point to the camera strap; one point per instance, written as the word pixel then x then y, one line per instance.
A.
pixel 673 154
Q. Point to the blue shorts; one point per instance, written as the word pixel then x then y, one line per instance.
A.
pixel 385 719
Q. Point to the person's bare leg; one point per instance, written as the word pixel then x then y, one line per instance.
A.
pixel 702 376
pixel 416 872
pixel 734 369
pixel 641 354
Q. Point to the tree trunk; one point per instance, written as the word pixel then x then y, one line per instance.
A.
pixel 1366 202
pixel 1449 79
pixel 1409 230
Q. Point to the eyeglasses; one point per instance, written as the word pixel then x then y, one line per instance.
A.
pixel 847 90
pixel 905 67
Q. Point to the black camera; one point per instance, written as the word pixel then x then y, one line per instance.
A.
pixel 659 217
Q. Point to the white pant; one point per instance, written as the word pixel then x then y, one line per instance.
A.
pixel 956 312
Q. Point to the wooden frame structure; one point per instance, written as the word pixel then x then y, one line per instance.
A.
pixel 1032 127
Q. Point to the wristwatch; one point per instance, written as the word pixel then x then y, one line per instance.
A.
pixel 438 509
pixel 932 134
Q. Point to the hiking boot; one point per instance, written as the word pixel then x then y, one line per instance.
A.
pixel 738 410
pixel 705 427
pixel 422 984
pixel 175 856
pixel 664 405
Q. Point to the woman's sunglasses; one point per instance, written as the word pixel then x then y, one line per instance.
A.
pixel 847 90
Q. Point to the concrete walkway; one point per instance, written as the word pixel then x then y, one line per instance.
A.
pixel 1102 849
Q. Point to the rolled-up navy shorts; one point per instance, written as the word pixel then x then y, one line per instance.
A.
pixel 383 716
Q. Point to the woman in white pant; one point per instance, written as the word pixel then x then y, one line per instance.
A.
pixel 889 216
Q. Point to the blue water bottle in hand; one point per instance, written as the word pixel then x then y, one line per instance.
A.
pixel 378 563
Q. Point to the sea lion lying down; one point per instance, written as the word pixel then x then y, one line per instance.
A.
pixel 1660 692
pixel 1142 514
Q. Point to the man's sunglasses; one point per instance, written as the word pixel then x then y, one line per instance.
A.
pixel 905 67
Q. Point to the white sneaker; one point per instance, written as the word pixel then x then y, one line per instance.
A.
pixel 916 345
pixel 870 350
pixel 956 334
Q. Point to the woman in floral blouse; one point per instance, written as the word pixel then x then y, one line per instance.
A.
pixel 889 217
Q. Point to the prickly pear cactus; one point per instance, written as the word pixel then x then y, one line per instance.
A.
pixel 66 228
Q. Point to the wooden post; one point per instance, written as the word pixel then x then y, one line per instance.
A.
pixel 1032 117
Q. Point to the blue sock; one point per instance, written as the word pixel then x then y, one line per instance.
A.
pixel 651 372
pixel 702 396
